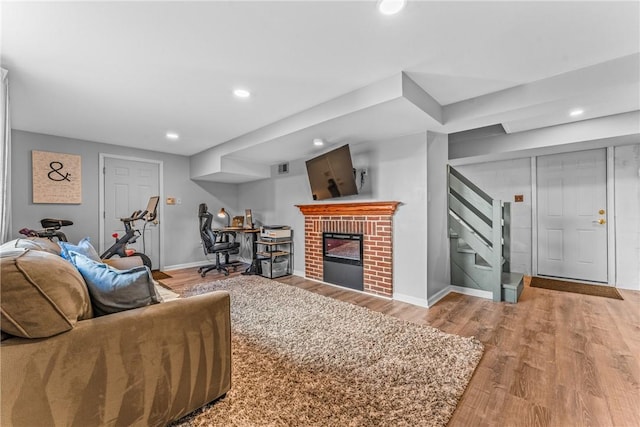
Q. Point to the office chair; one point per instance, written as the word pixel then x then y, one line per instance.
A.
pixel 218 242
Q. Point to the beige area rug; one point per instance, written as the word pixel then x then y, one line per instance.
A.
pixel 302 359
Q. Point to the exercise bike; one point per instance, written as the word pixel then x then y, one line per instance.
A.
pixel 51 227
pixel 131 234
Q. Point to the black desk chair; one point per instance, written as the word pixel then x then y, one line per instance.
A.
pixel 218 242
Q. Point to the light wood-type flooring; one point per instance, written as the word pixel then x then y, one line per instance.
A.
pixel 552 359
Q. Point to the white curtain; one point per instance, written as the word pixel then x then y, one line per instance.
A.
pixel 5 160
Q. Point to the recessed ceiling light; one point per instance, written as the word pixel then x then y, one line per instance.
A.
pixel 172 136
pixel 391 7
pixel 318 142
pixel 575 113
pixel 242 93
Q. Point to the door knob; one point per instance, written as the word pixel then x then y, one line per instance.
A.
pixel 600 221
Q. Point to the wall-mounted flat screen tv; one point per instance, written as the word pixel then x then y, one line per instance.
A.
pixel 332 174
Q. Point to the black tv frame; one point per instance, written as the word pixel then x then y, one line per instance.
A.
pixel 332 174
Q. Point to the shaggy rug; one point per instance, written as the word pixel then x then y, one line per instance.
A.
pixel 302 359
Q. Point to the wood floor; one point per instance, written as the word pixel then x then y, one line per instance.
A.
pixel 553 359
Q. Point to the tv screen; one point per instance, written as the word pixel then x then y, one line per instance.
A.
pixel 332 174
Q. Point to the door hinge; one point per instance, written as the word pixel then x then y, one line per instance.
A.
pixel 104 170
pixel 104 214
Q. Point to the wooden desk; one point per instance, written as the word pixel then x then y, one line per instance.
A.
pixel 254 268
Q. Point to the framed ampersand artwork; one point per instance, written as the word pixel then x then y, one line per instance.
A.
pixel 57 177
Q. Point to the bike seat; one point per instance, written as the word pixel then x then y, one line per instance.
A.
pixel 55 223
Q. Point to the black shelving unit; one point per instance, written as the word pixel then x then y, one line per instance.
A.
pixel 275 257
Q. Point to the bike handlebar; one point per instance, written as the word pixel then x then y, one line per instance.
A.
pixel 135 216
pixel 141 214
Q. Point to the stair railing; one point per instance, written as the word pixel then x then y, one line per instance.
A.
pixel 483 223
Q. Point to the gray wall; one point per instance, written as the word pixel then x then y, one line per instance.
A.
pixel 627 210
pixel 181 244
pixel 396 171
pixel 438 265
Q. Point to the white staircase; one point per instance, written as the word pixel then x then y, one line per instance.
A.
pixel 479 233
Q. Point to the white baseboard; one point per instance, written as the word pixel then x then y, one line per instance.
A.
pixel 630 287
pixel 472 292
pixel 460 290
pixel 439 295
pixel 198 264
pixel 420 302
pixel 187 265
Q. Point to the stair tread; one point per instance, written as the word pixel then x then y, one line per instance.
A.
pixel 511 280
pixel 483 264
pixel 465 248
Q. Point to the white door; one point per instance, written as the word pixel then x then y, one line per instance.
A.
pixel 128 185
pixel 572 230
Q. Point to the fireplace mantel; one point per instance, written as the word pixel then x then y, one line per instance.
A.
pixel 350 209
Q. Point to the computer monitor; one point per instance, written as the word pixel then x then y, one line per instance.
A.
pixel 152 208
pixel 248 218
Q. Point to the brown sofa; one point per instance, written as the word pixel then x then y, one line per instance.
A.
pixel 145 366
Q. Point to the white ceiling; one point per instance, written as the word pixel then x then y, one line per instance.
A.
pixel 125 73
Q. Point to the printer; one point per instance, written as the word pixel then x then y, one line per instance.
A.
pixel 279 232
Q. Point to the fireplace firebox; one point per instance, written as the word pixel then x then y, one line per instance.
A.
pixel 342 259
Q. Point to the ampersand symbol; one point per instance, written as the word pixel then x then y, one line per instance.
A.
pixel 55 168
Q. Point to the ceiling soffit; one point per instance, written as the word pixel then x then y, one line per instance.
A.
pixel 356 113
pixel 398 106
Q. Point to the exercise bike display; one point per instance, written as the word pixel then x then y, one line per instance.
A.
pixel 131 234
pixel 51 227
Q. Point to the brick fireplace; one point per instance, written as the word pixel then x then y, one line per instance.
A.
pixel 374 220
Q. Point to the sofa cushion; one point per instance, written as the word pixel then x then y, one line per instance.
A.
pixel 114 290
pixel 35 243
pixel 83 247
pixel 41 294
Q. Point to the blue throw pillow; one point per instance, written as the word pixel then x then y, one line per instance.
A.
pixel 83 247
pixel 114 290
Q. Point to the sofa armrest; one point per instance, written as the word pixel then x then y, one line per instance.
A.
pixel 146 366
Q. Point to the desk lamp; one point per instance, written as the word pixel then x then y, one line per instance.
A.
pixel 222 213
